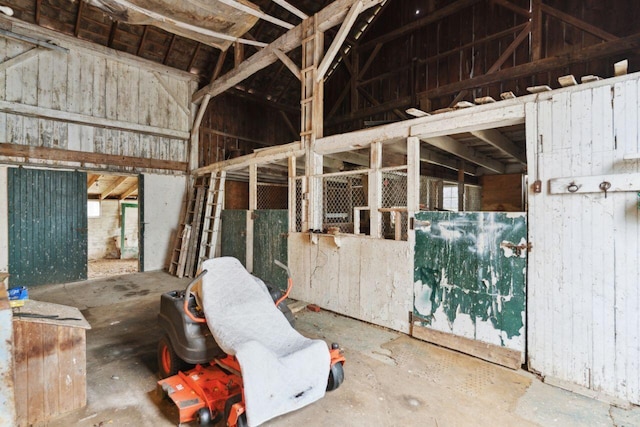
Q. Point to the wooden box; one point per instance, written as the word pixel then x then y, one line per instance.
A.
pixel 49 361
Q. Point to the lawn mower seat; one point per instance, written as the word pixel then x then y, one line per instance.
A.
pixel 282 371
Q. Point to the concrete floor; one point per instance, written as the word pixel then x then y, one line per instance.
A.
pixel 391 379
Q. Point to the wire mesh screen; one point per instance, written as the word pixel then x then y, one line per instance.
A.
pixel 298 206
pixel 472 198
pixel 430 193
pixel 394 196
pixel 340 195
pixel 272 196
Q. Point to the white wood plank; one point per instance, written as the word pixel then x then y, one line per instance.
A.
pixel 111 90
pixel 14 129
pixel 73 89
pixel 46 63
pixel 59 83
pixel 87 66
pixel 98 107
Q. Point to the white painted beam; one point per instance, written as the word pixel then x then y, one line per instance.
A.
pixel 63 116
pixel 456 148
pixel 257 13
pixel 286 5
pixel 430 156
pixel 269 155
pixel 20 58
pixel 498 140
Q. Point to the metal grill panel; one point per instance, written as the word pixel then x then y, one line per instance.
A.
pixel 272 196
pixel 394 195
pixel 342 194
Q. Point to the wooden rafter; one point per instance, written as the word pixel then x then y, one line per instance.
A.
pixel 376 103
pixel 596 51
pixel 288 62
pixel 92 180
pixel 327 18
pixel 76 29
pixel 112 33
pixel 450 145
pixel 496 139
pixel 142 39
pixel 512 7
pixel 38 11
pixel 257 13
pixel 578 23
pixel 129 191
pixel 420 23
pixel 110 189
pixel 219 63
pixel 194 56
pixel 166 55
pixel 283 3
pixel 295 133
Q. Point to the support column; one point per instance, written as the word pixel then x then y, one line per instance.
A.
pixel 375 190
pixel 253 205
pixel 413 183
pixel 311 127
pixel 460 185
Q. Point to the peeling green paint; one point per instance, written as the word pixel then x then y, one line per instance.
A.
pixel 461 267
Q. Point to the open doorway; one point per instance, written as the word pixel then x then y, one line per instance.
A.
pixel 112 225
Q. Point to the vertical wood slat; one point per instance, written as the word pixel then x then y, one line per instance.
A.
pixel 49 371
pixel 583 290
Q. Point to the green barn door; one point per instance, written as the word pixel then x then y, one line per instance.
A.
pixel 270 228
pixel 469 275
pixel 47 226
pixel 234 234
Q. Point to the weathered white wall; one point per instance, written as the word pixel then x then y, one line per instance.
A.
pixel 93 101
pixel 4 221
pixel 162 204
pixel 365 278
pixel 102 231
pixel 583 280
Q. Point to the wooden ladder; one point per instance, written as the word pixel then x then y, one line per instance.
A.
pixel 184 237
pixel 211 219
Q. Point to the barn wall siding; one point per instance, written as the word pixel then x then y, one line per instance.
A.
pixel 583 292
pixel 349 278
pixel 90 102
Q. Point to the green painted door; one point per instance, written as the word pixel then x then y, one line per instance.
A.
pixel 47 226
pixel 234 234
pixel 270 243
pixel 469 277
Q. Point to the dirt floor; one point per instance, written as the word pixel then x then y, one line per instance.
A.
pixel 111 267
pixel 391 379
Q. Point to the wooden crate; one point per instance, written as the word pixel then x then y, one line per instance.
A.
pixel 49 362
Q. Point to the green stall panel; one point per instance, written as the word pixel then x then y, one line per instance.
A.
pixel 270 229
pixel 47 226
pixel 469 277
pixel 234 234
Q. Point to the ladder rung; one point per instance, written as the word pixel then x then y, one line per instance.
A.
pixel 307 69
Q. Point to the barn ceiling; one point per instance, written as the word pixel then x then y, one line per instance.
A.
pixel 189 35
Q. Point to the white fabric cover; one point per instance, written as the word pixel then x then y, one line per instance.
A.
pixel 282 370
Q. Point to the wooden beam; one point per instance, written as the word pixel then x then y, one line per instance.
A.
pixel 283 3
pixel 261 99
pixel 460 185
pixel 432 17
pixel 166 55
pixel 238 54
pixel 288 62
pixel 83 157
pixel 20 58
pixel 536 30
pixel 32 41
pixel 578 23
pixel 370 60
pixel 294 132
pixel 257 13
pixel 336 44
pixel 450 145
pixel 327 18
pixel 112 35
pixel 193 57
pixel 219 63
pixel 92 180
pixel 512 7
pixel 184 25
pixel 37 12
pixel 400 103
pixel 76 29
pixel 110 189
pixel 498 140
pixel 375 102
pixel 63 116
pixel 176 99
pixel 270 155
pixel 428 155
pixel 596 51
pixel 142 39
pixel 129 191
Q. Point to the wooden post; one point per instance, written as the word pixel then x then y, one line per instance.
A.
pixel 461 186
pixel 311 126
pixel 413 182
pixel 253 205
pixel 292 194
pixel 375 189
pixel 536 30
